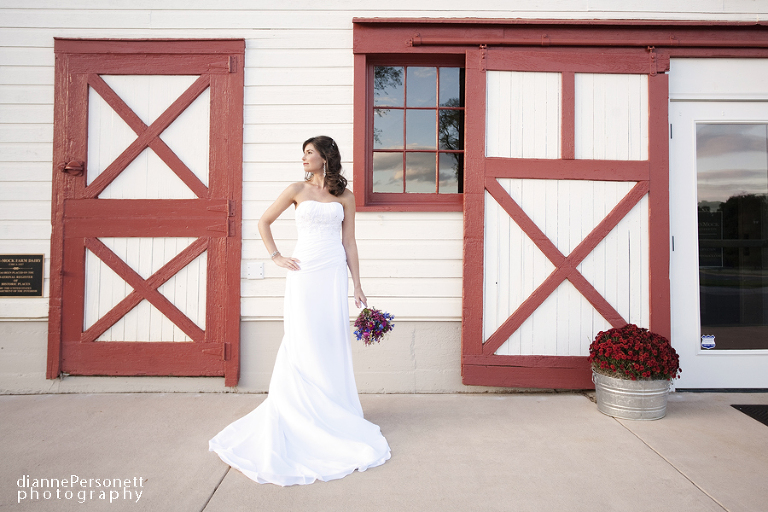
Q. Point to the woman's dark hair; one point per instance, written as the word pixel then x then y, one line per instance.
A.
pixel 330 152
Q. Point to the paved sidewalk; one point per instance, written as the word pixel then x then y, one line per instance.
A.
pixel 519 452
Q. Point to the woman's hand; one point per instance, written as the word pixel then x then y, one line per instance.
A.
pixel 360 298
pixel 289 263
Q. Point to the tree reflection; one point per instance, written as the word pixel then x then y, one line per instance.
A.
pixel 386 79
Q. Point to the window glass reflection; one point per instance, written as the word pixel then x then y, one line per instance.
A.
pixel 450 125
pixel 450 172
pixel 732 183
pixel 420 172
pixel 422 87
pixel 388 129
pixel 388 86
pixel 420 129
pixel 387 172
pixel 450 87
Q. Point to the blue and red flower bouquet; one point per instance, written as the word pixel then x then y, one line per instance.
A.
pixel 372 324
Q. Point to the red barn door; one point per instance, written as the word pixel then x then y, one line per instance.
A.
pixel 147 186
pixel 565 209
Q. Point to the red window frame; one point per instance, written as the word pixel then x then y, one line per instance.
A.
pixel 365 198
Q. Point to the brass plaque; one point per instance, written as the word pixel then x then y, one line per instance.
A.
pixel 21 275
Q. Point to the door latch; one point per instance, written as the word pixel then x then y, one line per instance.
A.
pixel 73 168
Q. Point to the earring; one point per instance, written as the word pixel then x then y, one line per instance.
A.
pixel 325 168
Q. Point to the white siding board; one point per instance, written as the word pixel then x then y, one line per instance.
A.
pixel 26 94
pixel 26 151
pixel 27 171
pixel 25 114
pixel 23 75
pixel 19 56
pixel 272 115
pixel 391 250
pixel 525 8
pixel 11 246
pixel 25 210
pixel 22 133
pixel 438 251
pixel 278 95
pixel 259 57
pixel 439 287
pixel 416 308
pixel 27 229
pixel 25 191
pixel 304 75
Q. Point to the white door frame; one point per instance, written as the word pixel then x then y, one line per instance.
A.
pixel 701 368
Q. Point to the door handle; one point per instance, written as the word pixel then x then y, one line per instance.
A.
pixel 73 168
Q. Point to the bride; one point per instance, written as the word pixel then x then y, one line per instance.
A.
pixel 311 425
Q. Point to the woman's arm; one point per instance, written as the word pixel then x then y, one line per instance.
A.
pixel 350 246
pixel 286 199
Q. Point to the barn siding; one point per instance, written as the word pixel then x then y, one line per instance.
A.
pixel 298 83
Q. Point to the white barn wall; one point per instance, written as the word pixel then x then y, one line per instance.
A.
pixel 298 83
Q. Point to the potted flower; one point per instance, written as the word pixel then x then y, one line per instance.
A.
pixel 632 369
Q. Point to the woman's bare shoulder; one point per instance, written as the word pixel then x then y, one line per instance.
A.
pixel 293 190
pixel 347 197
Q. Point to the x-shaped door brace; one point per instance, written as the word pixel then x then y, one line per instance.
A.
pixel 565 267
pixel 145 289
pixel 148 136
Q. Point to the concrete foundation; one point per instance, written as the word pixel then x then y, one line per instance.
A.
pixel 417 357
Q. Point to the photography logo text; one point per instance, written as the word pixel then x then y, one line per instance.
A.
pixel 80 489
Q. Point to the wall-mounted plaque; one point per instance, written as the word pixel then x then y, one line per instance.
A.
pixel 21 275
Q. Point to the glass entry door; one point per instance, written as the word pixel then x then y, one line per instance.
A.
pixel 732 185
pixel 719 225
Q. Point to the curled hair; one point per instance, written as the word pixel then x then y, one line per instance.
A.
pixel 328 149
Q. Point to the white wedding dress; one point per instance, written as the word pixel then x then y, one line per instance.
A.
pixel 311 425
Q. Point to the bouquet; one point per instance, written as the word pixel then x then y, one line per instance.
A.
pixel 372 324
pixel 632 353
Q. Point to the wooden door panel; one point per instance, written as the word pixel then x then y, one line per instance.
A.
pixel 558 187
pixel 145 237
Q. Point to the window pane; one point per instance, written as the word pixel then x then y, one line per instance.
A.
pixel 450 172
pixel 420 129
pixel 420 172
pixel 387 129
pixel 387 172
pixel 450 87
pixel 422 87
pixel 451 122
pixel 732 176
pixel 388 86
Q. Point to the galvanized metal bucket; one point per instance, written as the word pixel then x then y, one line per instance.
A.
pixel 631 399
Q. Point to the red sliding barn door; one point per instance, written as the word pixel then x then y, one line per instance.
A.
pixel 566 209
pixel 145 260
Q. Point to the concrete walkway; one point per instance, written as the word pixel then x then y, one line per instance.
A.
pixel 522 452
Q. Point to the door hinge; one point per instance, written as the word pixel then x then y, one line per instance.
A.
pixel 228 208
pixel 653 62
pixel 670 130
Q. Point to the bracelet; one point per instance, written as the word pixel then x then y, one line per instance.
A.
pixel 274 254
